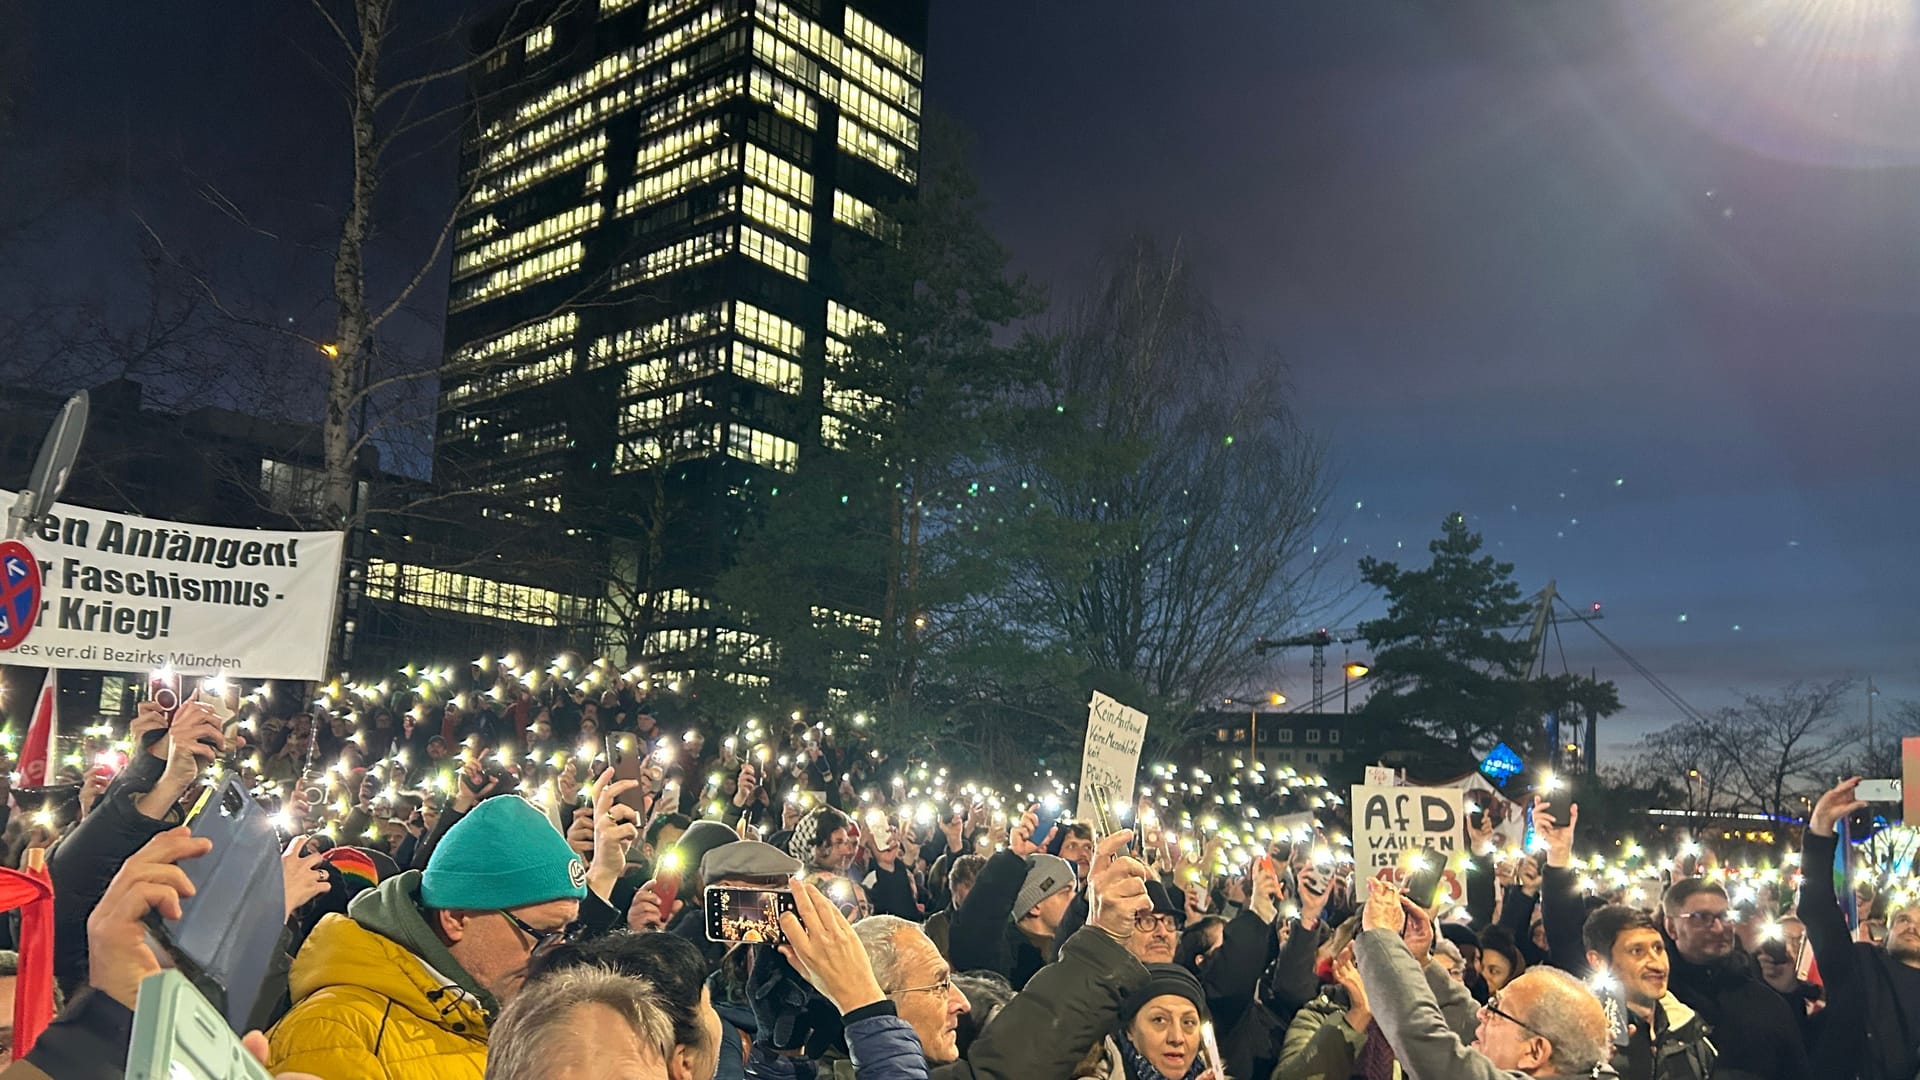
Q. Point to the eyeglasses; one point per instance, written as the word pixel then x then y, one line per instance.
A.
pixel 1493 1006
pixel 1707 919
pixel 939 989
pixel 1149 921
pixel 546 939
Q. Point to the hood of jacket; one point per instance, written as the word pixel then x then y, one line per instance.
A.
pixel 383 943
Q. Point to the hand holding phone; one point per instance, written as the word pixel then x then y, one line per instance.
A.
pixel 750 916
pixel 1878 791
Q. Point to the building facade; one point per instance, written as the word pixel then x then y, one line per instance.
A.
pixel 1308 742
pixel 643 312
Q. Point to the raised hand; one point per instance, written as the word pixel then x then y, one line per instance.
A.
pixel 1558 837
pixel 1383 910
pixel 1833 806
pixel 615 827
pixel 822 948
pixel 1117 887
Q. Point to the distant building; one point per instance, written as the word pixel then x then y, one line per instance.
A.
pixel 1309 742
pixel 642 318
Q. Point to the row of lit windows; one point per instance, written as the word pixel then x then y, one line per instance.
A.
pixel 768 329
pixel 801 30
pixel 676 179
pixel 565 126
pixel 679 602
pixel 854 404
pixel 861 215
pixel 789 217
pixel 475 230
pixel 674 640
pixel 787 99
pixel 825 616
pixel 542 267
pixel 545 334
pixel 633 343
pixel 469 595
pixel 682 105
pixel 677 144
pixel 867 106
pixel 762 448
pixel 674 368
pixel 833 432
pixel 503 382
pixel 608 7
pixel 764 248
pixel 662 10
pixel 859 64
pixel 645 451
pixel 519 179
pixel 539 440
pixel 846 323
pixel 690 252
pixel 867 143
pixel 779 174
pixel 539 41
pixel 799 66
pixel 882 44
pixel 650 413
pixel 604 71
pixel 766 368
pixel 524 483
pixel 559 227
pixel 743 647
pixel 676 73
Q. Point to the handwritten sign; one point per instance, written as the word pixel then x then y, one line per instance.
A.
pixel 1398 829
pixel 1111 759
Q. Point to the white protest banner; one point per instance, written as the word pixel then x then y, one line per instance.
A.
pixel 1111 759
pixel 1397 828
pixel 131 593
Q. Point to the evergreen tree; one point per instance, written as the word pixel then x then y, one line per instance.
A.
pixel 1450 677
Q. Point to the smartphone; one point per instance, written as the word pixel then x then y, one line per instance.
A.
pixel 1527 835
pixel 1102 812
pixel 1212 1048
pixel 163 689
pixel 666 879
pixel 1045 821
pixel 630 766
pixel 1878 791
pixel 1422 885
pixel 229 928
pixel 179 1035
pixel 747 915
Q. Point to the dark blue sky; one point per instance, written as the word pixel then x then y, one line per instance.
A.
pixel 1634 285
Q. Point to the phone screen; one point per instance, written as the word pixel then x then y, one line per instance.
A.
pixel 179 1035
pixel 747 915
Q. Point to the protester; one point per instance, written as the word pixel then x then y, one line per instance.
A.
pixel 1544 1023
pixel 1872 1018
pixel 677 973
pixel 580 1024
pixel 1159 1032
pixel 407 983
pixel 1014 910
pixel 1754 1030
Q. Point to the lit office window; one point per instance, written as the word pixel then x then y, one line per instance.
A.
pixel 539 41
pixel 520 178
pixel 861 215
pixel 854 404
pixel 764 248
pixel 505 382
pixel 561 226
pixel 793 63
pixel 863 141
pixel 609 7
pixel 510 279
pixel 860 64
pixel 858 102
pixel 673 258
pixel 767 368
pixel 787 99
pixel 789 217
pixel 862 31
pixel 833 432
pixel 768 329
pixel 548 333
pixel 467 594
pixel 677 144
pixel 825 616
pixel 688 102
pixel 645 451
pixel 761 448
pixel 799 29
pixel 779 174
pixel 677 179
pixel 677 367
pixel 636 342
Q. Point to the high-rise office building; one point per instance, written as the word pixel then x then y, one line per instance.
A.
pixel 643 312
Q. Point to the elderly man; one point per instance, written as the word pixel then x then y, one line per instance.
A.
pixel 582 1024
pixel 1044 1031
pixel 1542 1024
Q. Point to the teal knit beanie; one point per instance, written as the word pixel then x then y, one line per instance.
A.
pixel 503 854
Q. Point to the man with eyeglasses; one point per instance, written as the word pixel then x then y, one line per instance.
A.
pixel 407 982
pixel 1752 1027
pixel 1543 1024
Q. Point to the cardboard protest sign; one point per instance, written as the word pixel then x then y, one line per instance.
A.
pixel 1397 829
pixel 131 593
pixel 1111 759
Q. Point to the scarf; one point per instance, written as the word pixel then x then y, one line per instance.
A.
pixel 1375 1060
pixel 1139 1068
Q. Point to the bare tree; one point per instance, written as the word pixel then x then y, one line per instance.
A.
pixel 1183 513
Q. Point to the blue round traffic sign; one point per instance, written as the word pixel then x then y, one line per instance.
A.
pixel 19 593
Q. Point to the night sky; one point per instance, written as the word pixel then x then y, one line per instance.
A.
pixel 1634 285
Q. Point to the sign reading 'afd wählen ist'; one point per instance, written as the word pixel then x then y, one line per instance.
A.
pixel 131 593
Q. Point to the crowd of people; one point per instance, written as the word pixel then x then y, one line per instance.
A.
pixel 517 885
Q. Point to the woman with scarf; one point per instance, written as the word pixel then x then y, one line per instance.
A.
pixel 1160 1031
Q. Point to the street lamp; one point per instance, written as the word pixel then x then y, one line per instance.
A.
pixel 1275 699
pixel 1354 671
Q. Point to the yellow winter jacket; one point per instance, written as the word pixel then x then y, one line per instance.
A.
pixel 368 1007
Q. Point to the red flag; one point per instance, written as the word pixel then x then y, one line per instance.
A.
pixel 36 758
pixel 31 891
